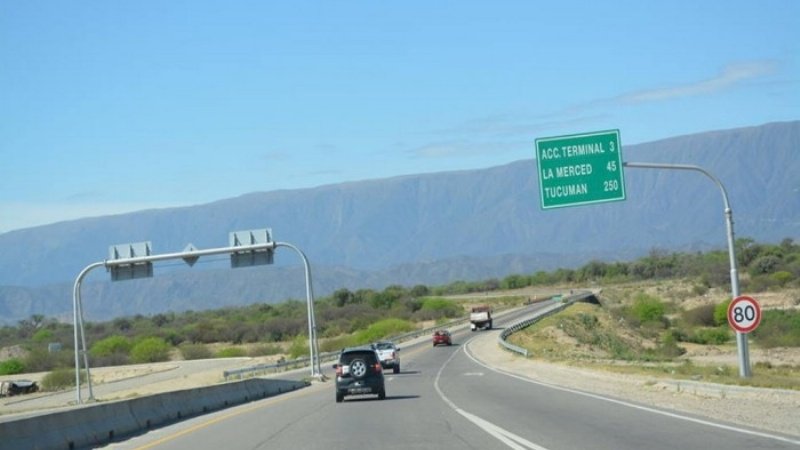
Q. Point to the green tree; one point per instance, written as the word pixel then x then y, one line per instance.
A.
pixel 11 366
pixel 151 349
pixel 112 345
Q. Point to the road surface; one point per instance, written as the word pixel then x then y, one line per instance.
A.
pixel 444 398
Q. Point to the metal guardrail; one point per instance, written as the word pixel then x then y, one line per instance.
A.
pixel 262 369
pixel 555 308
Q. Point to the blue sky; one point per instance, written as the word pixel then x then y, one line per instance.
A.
pixel 108 107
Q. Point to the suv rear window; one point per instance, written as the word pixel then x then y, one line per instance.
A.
pixel 366 355
pixel 384 346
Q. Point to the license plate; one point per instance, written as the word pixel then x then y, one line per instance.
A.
pixel 360 390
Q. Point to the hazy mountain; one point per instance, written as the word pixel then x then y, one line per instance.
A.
pixel 432 228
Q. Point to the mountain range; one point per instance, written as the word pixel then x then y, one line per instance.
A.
pixel 415 229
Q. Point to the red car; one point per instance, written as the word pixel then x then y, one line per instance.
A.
pixel 442 337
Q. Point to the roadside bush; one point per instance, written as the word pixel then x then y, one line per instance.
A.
pixel 61 378
pixel 782 278
pixel 702 316
pixel 299 347
pixel 111 351
pixel 40 360
pixel 43 336
pixel 265 350
pixel 710 336
pixel 231 352
pixel 721 313
pixel 337 343
pixel 647 308
pixel 151 349
pixel 194 351
pixel 700 289
pixel 437 308
pixel 11 366
pixel 778 328
pixel 383 329
pixel 668 347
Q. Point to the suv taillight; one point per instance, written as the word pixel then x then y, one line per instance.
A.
pixel 339 371
pixel 378 367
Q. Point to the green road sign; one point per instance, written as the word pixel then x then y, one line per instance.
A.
pixel 580 169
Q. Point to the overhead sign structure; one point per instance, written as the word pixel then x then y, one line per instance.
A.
pixel 580 169
pixel 130 271
pixel 744 314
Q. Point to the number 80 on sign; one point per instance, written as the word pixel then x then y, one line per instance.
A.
pixel 744 314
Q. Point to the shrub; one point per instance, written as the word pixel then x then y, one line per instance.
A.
pixel 40 360
pixel 700 316
pixel 648 309
pixel 61 378
pixel 11 366
pixel 437 308
pixel 383 329
pixel 299 347
pixel 338 343
pixel 668 347
pixel 699 289
pixel 710 336
pixel 231 352
pixel 111 345
pixel 42 336
pixel 151 349
pixel 778 328
pixel 195 351
pixel 265 350
pixel 782 277
pixel 721 313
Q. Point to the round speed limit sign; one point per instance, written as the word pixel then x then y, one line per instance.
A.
pixel 744 314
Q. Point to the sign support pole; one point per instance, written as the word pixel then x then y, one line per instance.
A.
pixel 190 256
pixel 741 338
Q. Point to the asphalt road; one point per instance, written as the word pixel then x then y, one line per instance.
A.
pixel 444 398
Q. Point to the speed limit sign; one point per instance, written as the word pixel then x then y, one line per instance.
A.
pixel 744 314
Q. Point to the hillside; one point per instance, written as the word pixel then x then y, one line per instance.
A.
pixel 432 228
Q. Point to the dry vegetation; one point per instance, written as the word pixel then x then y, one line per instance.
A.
pixel 599 336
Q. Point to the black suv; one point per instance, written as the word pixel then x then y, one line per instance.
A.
pixel 359 372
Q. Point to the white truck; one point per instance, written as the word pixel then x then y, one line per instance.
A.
pixel 480 317
pixel 388 354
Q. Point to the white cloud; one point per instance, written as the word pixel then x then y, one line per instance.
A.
pixel 730 76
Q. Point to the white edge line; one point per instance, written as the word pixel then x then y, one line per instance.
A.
pixel 505 436
pixel 630 405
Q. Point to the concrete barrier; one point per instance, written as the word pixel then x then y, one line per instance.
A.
pixel 101 423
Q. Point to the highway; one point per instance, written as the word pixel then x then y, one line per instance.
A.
pixel 444 398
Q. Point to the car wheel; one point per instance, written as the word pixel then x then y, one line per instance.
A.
pixel 339 397
pixel 358 368
pixel 382 394
pixel 396 369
